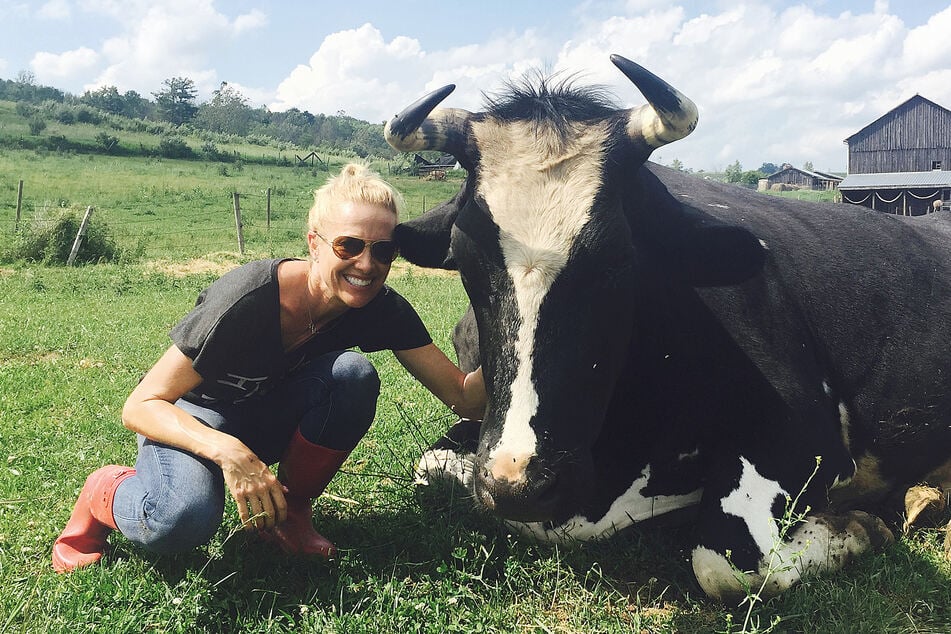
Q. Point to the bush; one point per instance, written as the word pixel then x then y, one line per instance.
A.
pixel 107 141
pixel 37 125
pixel 174 147
pixel 49 241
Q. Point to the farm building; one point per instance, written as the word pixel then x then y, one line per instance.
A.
pixel 441 164
pixel 790 177
pixel 901 162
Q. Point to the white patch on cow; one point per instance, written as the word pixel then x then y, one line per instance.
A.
pixel 826 388
pixel 763 244
pixel 752 502
pixel 632 506
pixel 718 205
pixel 539 190
pixel 845 423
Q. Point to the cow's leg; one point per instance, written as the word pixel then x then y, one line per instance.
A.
pixel 449 459
pixel 753 542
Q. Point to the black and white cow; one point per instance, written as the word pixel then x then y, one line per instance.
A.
pixel 654 342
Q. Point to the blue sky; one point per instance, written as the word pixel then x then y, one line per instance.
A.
pixel 774 81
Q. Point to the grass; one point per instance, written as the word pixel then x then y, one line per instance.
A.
pixel 73 342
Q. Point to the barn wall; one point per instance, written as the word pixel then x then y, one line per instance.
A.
pixel 908 139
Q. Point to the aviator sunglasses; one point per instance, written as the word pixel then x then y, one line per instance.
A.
pixel 347 247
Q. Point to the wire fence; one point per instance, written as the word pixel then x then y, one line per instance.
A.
pixel 269 224
pixel 184 219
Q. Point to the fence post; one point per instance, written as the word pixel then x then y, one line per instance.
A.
pixel 79 237
pixel 237 222
pixel 16 225
pixel 268 208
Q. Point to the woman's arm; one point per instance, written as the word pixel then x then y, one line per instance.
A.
pixel 463 393
pixel 150 410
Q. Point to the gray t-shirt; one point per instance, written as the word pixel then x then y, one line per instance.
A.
pixel 233 335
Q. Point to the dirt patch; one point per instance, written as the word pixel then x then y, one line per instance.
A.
pixel 197 266
pixel 402 267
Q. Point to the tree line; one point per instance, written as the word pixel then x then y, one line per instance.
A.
pixel 176 104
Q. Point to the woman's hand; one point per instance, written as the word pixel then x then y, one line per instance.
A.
pixel 255 489
pixel 150 410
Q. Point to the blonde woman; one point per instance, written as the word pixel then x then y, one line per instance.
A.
pixel 261 371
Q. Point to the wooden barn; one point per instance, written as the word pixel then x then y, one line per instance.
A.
pixel 790 177
pixel 901 162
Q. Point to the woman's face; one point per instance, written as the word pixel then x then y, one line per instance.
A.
pixel 356 281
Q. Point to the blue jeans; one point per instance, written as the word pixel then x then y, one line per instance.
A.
pixel 175 500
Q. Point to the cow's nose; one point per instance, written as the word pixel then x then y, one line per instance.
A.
pixel 516 488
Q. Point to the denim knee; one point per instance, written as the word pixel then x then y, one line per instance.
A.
pixel 175 524
pixel 186 524
pixel 356 377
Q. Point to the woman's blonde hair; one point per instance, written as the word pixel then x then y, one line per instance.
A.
pixel 355 183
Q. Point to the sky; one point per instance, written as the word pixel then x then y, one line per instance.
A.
pixel 775 81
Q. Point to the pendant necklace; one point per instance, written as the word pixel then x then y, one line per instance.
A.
pixel 311 324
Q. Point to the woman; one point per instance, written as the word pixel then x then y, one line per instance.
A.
pixel 259 372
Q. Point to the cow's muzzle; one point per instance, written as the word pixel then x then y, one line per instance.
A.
pixel 527 494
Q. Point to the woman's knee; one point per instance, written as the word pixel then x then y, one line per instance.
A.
pixel 178 524
pixel 354 374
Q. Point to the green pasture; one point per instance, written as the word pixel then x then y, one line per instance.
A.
pixel 73 342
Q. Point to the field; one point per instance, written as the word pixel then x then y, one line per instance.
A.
pixel 73 342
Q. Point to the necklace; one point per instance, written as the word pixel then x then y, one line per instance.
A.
pixel 311 322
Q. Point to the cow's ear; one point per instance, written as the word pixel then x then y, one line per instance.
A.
pixel 718 255
pixel 425 240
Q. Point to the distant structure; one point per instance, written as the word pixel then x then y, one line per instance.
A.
pixel 790 178
pixel 425 167
pixel 901 162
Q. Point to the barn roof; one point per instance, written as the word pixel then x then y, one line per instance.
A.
pixel 897 180
pixel 898 107
pixel 813 174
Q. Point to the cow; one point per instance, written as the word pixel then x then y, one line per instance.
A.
pixel 656 345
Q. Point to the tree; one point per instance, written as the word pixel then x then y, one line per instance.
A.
pixel 807 166
pixel 734 172
pixel 176 103
pixel 106 98
pixel 677 165
pixel 768 168
pixel 135 106
pixel 227 112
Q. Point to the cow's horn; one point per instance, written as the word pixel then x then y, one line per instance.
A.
pixel 668 117
pixel 421 127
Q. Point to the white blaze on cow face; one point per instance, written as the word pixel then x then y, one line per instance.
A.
pixel 539 190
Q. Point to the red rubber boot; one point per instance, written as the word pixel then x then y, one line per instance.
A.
pixel 83 540
pixel 306 470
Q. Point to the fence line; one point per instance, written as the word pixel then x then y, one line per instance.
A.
pixel 149 230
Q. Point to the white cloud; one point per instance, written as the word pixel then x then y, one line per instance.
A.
pixel 160 39
pixel 249 22
pixel 51 67
pixel 360 72
pixel 55 10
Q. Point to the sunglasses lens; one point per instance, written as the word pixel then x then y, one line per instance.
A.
pixel 346 247
pixel 384 252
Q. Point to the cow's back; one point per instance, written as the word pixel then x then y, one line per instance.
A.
pixel 862 297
